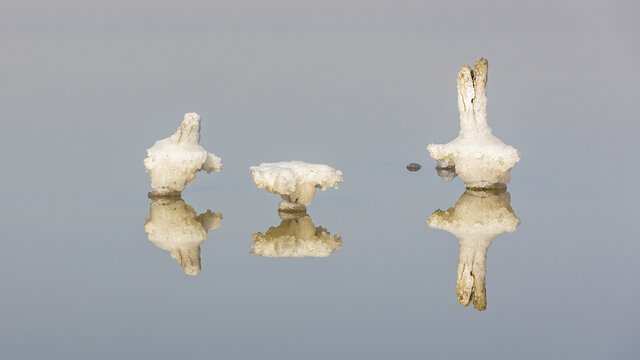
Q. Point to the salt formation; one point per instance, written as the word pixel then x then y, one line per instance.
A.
pixel 296 237
pixel 295 181
pixel 477 219
pixel 173 162
pixel 480 158
pixel 174 226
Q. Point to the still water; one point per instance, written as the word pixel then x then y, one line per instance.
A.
pixel 379 267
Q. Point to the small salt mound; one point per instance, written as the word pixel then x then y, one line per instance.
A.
pixel 295 181
pixel 477 219
pixel 173 162
pixel 480 158
pixel 296 237
pixel 174 226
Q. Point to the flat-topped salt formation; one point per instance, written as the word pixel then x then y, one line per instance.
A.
pixel 295 181
pixel 174 226
pixel 296 237
pixel 480 158
pixel 477 219
pixel 173 162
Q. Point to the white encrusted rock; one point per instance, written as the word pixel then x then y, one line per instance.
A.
pixel 296 237
pixel 480 158
pixel 173 162
pixel 295 181
pixel 174 226
pixel 477 219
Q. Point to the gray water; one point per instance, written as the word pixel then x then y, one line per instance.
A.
pixel 87 88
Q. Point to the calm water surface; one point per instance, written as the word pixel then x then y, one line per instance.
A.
pixel 82 278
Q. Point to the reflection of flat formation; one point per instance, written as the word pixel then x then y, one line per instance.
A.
pixel 296 237
pixel 477 219
pixel 176 227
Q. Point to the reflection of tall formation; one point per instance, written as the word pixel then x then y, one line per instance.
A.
pixel 176 227
pixel 296 237
pixel 477 219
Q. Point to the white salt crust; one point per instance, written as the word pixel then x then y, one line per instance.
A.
pixel 295 181
pixel 480 158
pixel 174 161
pixel 477 218
pixel 174 226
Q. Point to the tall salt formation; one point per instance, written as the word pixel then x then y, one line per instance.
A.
pixel 296 237
pixel 477 219
pixel 295 181
pixel 173 162
pixel 176 227
pixel 480 158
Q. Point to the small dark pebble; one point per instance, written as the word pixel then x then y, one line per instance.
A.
pixel 414 167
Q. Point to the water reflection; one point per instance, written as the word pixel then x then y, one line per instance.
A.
pixel 176 227
pixel 477 219
pixel 446 171
pixel 295 237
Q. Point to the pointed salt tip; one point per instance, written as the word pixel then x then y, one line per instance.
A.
pixel 192 116
pixel 414 167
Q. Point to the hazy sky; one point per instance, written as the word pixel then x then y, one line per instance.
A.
pixel 101 70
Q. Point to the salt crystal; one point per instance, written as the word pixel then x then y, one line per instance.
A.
pixel 295 181
pixel 174 161
pixel 480 158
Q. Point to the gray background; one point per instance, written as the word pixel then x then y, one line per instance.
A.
pixel 364 86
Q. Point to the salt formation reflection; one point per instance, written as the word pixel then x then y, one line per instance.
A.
pixel 176 227
pixel 445 171
pixel 477 218
pixel 295 237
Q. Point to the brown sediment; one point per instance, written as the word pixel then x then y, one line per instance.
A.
pixel 155 195
pixel 493 188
